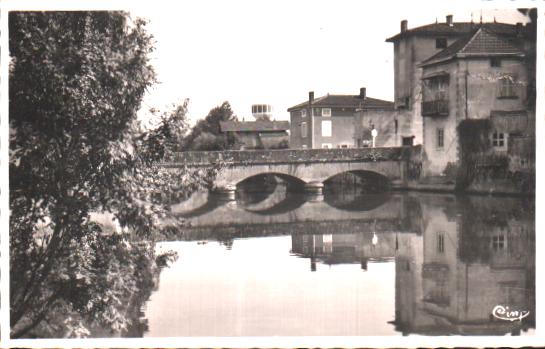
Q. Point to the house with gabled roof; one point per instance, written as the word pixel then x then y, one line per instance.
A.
pixel 482 75
pixel 259 134
pixel 334 121
pixel 447 72
pixel 412 46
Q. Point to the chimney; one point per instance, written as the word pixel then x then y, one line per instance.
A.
pixel 362 93
pixel 449 20
pixel 404 25
pixel 311 96
pixel 519 29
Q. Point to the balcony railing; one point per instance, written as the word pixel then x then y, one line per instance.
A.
pixel 438 107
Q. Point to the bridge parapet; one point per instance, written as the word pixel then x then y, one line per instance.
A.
pixel 244 157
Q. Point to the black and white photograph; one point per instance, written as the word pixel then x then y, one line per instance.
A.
pixel 270 173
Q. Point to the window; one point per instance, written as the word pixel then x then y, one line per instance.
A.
pixel 435 95
pixel 440 138
pixel 441 43
pixel 395 126
pixel 440 242
pixel 344 145
pixel 303 113
pixel 316 112
pixel 304 146
pixel 407 140
pixel 326 112
pixel 326 128
pixel 507 87
pixel 304 130
pixel 498 140
pixel 498 242
pixel 495 62
pixel 326 145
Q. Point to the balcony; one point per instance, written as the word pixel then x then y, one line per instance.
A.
pixel 437 107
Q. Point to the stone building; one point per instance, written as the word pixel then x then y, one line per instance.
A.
pixel 390 125
pixel 448 72
pixel 258 134
pixel 334 121
pixel 481 76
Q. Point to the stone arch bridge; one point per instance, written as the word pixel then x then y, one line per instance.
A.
pixel 311 166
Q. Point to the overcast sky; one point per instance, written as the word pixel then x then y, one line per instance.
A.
pixel 275 52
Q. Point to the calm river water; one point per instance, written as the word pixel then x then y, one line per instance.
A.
pixel 276 262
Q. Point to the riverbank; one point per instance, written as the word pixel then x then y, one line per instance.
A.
pixel 448 185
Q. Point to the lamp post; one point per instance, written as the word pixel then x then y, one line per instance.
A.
pixel 374 134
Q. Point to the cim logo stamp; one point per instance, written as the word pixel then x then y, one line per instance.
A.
pixel 504 313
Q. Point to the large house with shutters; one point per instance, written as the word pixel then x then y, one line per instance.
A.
pixel 341 121
pixel 449 72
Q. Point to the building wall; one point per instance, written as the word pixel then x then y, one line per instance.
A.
pixel 484 85
pixel 342 131
pixel 296 139
pixel 474 90
pixel 408 53
pixel 384 122
pixel 265 140
pixel 437 157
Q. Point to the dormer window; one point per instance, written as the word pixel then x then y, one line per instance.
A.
pixel 441 43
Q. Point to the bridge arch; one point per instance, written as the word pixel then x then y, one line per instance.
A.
pixel 360 177
pixel 284 176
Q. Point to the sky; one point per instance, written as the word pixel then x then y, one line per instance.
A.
pixel 275 52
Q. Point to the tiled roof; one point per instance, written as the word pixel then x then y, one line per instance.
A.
pixel 348 101
pixel 456 29
pixel 256 126
pixel 480 43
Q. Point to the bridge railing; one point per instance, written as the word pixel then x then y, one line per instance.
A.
pixel 293 155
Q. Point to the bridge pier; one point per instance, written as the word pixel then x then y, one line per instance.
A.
pixel 226 192
pixel 314 187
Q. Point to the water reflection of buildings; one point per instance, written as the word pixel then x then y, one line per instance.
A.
pixel 468 256
pixel 344 248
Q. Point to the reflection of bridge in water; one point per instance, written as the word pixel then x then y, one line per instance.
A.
pixel 456 258
pixel 212 216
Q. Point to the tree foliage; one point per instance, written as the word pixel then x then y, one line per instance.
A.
pixel 207 135
pixel 76 83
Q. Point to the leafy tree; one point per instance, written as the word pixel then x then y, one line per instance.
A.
pixel 173 127
pixel 76 82
pixel 200 136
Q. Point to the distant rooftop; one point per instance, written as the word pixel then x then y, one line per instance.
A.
pixel 481 42
pixel 348 101
pixel 457 29
pixel 254 126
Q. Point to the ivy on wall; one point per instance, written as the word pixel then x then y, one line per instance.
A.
pixel 474 141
